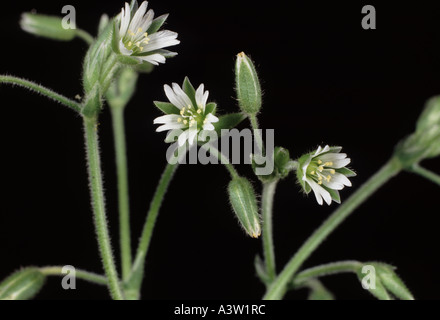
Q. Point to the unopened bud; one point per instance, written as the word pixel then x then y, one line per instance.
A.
pixel 22 285
pixel 46 26
pixel 244 204
pixel 247 85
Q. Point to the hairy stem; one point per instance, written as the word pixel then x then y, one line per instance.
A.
pixel 32 86
pixel 325 270
pixel 80 274
pixel 267 209
pixel 84 35
pixel 278 287
pixel 123 194
pixel 98 204
pixel 135 281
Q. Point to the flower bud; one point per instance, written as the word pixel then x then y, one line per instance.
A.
pixel 46 26
pixel 22 285
pixel 392 282
pixel 424 142
pixel 247 85
pixel 382 282
pixel 244 204
pixel 283 165
pixel 122 89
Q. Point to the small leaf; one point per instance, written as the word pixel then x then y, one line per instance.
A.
pixel 157 23
pixel 166 107
pixel 260 268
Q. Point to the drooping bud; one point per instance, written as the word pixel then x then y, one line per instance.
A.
pixel 247 85
pixel 122 89
pixel 424 142
pixel 244 204
pixel 46 26
pixel 392 282
pixel 22 285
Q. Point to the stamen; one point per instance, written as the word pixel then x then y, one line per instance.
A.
pixel 332 171
pixel 179 120
pixel 328 164
pixel 146 34
pixel 313 172
pixel 319 182
pixel 199 111
pixel 138 44
pixel 320 168
pixel 320 178
pixel 142 48
pixel 319 161
pixel 130 43
pixel 185 121
pixel 139 30
pixel 131 33
pixel 328 178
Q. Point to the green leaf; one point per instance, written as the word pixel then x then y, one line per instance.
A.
pixel 211 108
pixel 190 91
pixel 228 121
pixel 157 23
pixel 166 107
pixel 22 285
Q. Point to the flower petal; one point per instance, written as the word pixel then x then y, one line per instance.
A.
pixel 161 39
pixel 181 95
pixel 172 97
pixel 169 126
pixel 183 137
pixel 337 164
pixel 169 118
pixel 211 118
pixel 153 59
pixel 199 96
pixel 341 179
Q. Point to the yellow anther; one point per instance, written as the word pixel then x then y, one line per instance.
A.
pixel 179 120
pixel 146 34
pixel 146 41
pixel 131 33
pixel 199 111
pixel 319 161
pixel 130 43
pixel 189 106
pixel 139 30
pixel 328 178
pixel 313 172
pixel 319 182
pixel 205 121
pixel 332 171
pixel 320 177
pixel 328 164
pixel 142 48
pixel 185 121
pixel 320 168
pixel 138 44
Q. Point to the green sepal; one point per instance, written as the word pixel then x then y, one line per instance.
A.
pixel 228 121
pixel 128 60
pixel 115 38
pixel 23 284
pixel 334 194
pixel 346 172
pixel 188 88
pixel 211 107
pixel 103 23
pixel 166 107
pixel 299 173
pixel 157 23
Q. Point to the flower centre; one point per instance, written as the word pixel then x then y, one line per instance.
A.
pixel 136 41
pixel 320 171
pixel 192 117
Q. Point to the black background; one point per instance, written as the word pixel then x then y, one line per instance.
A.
pixel 326 81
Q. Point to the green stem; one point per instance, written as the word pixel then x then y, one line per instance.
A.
pixel 84 35
pixel 278 287
pixel 80 274
pixel 32 86
pixel 257 134
pixel 425 173
pixel 123 195
pixel 97 194
pixel 325 270
pixel 223 159
pixel 135 280
pixel 268 247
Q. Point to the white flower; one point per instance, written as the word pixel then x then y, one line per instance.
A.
pixel 139 38
pixel 186 119
pixel 325 172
